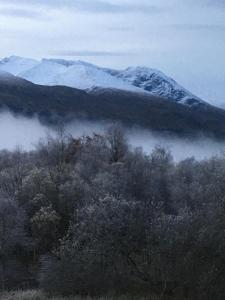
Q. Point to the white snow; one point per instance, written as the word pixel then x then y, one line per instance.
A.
pixel 43 73
pixel 74 74
pixel 16 65
pixel 88 77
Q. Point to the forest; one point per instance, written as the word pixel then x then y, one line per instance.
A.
pixel 94 216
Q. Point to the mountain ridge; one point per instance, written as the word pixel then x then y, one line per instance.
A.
pixel 87 76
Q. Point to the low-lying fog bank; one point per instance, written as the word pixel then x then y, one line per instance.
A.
pixel 181 148
pixel 25 133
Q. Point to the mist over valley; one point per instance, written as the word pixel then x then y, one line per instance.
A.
pixel 25 133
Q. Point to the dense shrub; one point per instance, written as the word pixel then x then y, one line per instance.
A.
pixel 92 216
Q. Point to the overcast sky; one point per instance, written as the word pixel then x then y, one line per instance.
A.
pixel 183 38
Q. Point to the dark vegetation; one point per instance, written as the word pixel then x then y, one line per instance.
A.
pixel 55 104
pixel 92 217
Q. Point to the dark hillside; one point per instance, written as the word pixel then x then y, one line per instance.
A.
pixel 59 103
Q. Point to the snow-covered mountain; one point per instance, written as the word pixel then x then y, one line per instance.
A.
pixel 86 76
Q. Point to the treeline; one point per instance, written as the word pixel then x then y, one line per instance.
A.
pixel 90 216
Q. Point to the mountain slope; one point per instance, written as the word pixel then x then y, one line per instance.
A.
pixel 156 83
pixel 59 103
pixel 86 76
pixel 7 79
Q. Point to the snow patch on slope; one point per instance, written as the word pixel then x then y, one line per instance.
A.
pixel 74 74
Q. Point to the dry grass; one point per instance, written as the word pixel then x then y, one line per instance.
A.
pixel 38 295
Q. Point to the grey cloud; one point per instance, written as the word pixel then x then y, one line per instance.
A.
pixel 21 13
pixel 210 3
pixel 121 28
pixel 106 7
pixel 89 53
pixel 97 6
pixel 220 3
pixel 198 27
